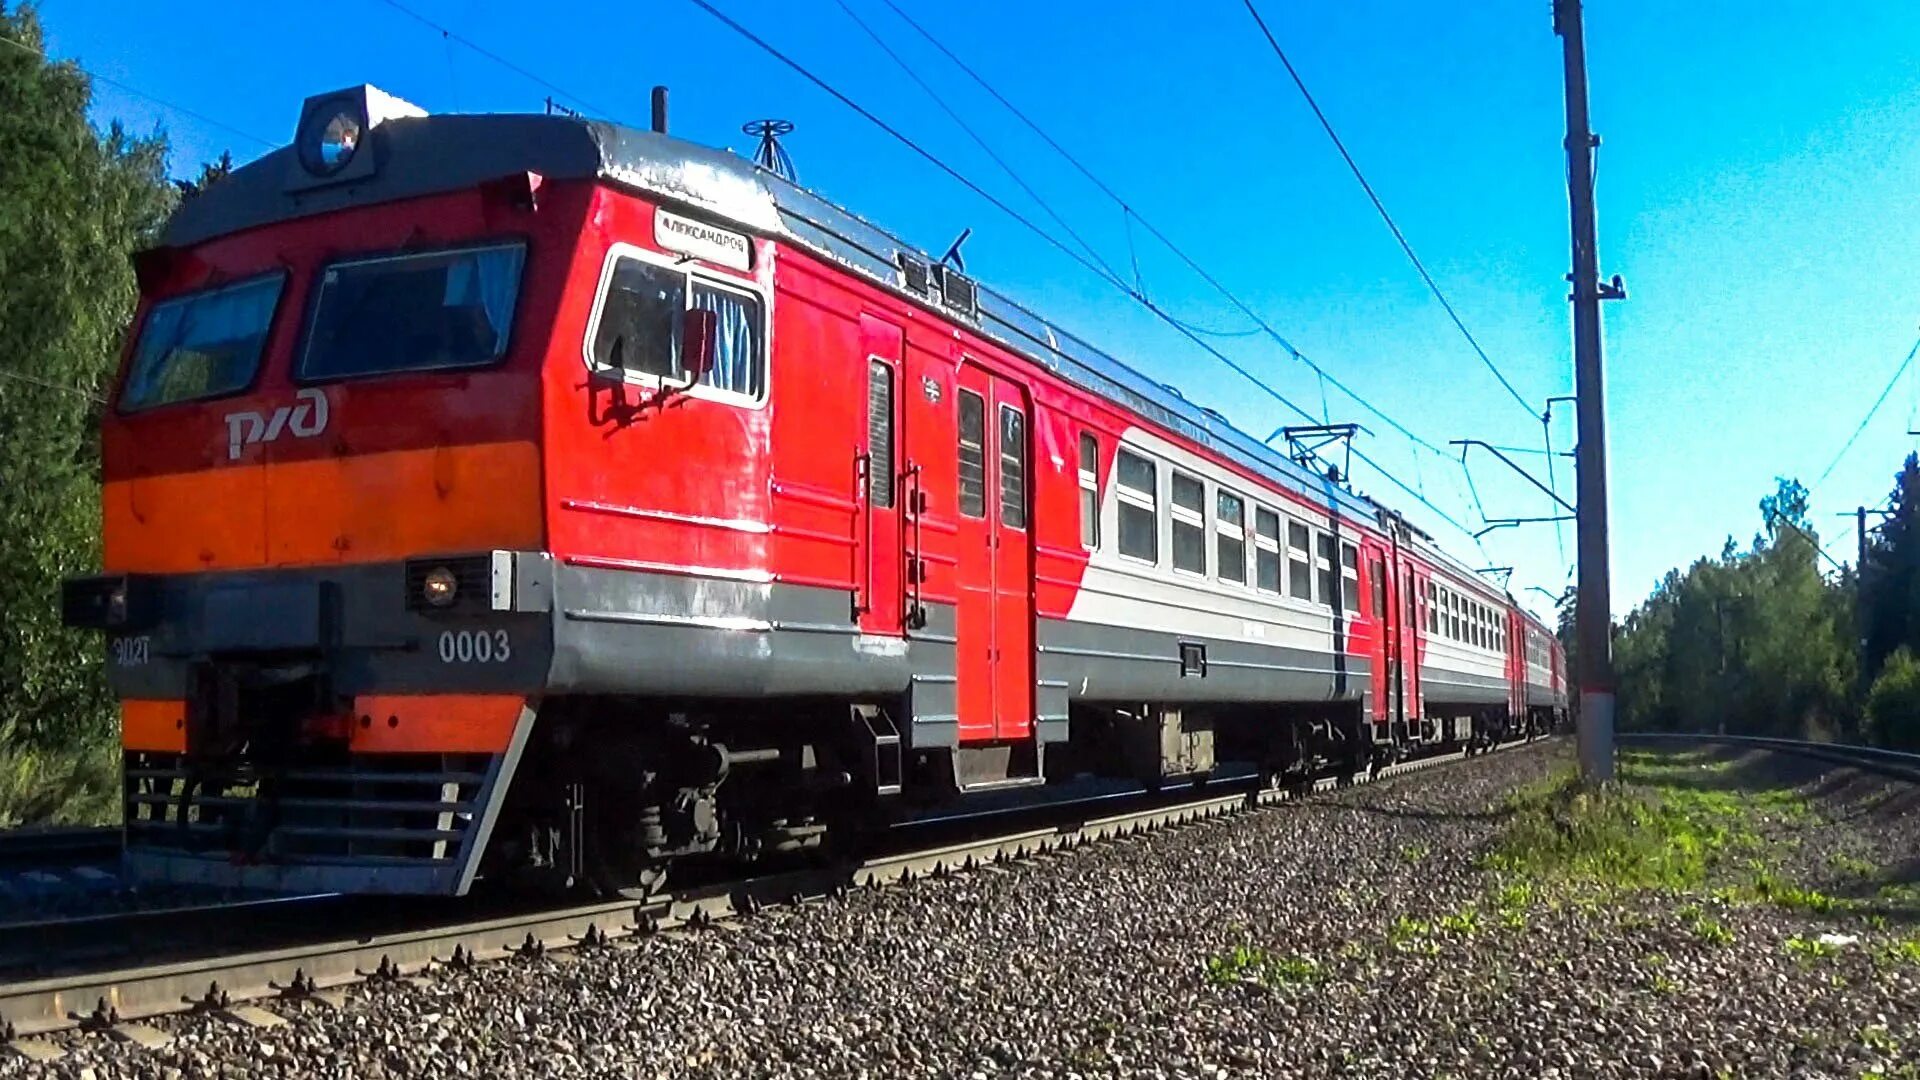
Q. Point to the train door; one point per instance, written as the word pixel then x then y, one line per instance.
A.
pixel 1413 625
pixel 1385 675
pixel 880 569
pixel 994 664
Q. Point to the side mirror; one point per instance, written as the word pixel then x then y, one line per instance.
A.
pixel 699 341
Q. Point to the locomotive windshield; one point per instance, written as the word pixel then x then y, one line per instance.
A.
pixel 441 309
pixel 201 345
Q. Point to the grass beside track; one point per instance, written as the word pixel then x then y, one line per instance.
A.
pixel 1699 826
pixel 59 786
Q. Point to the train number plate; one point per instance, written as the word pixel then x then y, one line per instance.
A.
pixel 475 647
pixel 132 651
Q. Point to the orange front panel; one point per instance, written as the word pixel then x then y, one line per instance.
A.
pixel 355 508
pixel 154 725
pixel 372 507
pixel 434 723
pixel 185 522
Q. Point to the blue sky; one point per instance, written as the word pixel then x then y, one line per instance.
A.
pixel 1757 184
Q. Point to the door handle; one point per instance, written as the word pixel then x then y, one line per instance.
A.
pixel 863 505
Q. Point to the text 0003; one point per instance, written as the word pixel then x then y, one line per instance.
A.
pixel 475 647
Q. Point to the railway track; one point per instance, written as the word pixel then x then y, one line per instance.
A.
pixel 38 847
pixel 96 997
pixel 1870 758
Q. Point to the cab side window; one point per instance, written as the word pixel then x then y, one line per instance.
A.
pixel 637 327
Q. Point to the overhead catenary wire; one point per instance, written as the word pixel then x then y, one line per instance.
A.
pixel 1133 214
pixel 1867 419
pixel 1053 241
pixel 449 34
pixel 136 92
pixel 953 115
pixel 1381 208
pixel 34 380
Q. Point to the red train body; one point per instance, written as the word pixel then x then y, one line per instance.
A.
pixel 501 495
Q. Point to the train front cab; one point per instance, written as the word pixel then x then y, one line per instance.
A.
pixel 327 592
pixel 395 467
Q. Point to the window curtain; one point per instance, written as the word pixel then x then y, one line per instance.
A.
pixel 736 365
pixel 489 279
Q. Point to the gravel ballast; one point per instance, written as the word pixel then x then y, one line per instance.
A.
pixel 1353 935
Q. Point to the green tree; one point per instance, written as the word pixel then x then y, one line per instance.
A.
pixel 1754 641
pixel 211 173
pixel 74 202
pixel 1890 578
pixel 1893 705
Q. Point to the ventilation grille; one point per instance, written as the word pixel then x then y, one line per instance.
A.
pixel 959 293
pixel 913 273
pixel 880 434
pixel 378 807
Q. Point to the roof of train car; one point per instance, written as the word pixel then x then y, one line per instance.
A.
pixel 454 151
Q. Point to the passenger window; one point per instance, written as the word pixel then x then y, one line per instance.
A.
pixel 1350 578
pixel 1189 524
pixel 1299 562
pixel 1230 537
pixel 1266 556
pixel 1329 576
pixel 1013 468
pixel 973 455
pixel 1139 500
pixel 1377 570
pixel 1089 492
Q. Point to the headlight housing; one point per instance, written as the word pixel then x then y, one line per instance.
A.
pixel 330 139
pixel 450 584
pixel 439 588
pixel 110 602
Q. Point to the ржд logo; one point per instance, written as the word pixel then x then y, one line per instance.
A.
pixel 304 419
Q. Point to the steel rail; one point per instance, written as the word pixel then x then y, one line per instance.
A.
pixel 103 999
pixel 58 846
pixel 1872 758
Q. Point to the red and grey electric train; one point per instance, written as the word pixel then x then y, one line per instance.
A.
pixel 491 496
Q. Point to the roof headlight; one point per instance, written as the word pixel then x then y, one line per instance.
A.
pixel 335 141
pixel 439 587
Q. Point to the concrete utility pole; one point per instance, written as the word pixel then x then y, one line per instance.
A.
pixel 1593 619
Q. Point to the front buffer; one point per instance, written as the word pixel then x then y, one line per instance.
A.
pixel 344 729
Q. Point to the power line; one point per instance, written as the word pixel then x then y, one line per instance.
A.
pixel 975 136
pixel 1193 264
pixel 123 87
pixel 929 156
pixel 62 387
pixel 1188 329
pixel 1381 207
pixel 469 43
pixel 1053 241
pixel 1865 420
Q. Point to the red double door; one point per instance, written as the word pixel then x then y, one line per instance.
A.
pixel 1394 610
pixel 993 653
pixel 927 422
